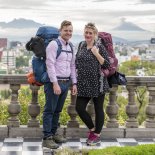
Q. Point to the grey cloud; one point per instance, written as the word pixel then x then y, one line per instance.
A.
pixel 148 1
pixel 101 14
pixel 96 15
pixel 107 20
pixel 133 13
pixel 18 4
pixel 31 4
pixel 102 0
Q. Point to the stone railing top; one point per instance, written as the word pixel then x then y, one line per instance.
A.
pixel 22 79
pixel 140 81
pixel 13 79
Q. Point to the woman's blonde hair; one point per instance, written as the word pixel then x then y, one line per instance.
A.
pixel 92 26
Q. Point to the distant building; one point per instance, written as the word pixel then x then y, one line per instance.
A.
pixel 1 52
pixel 135 58
pixel 152 40
pixel 3 68
pixel 135 55
pixel 14 44
pixel 150 52
pixel 9 59
pixel 122 58
pixel 3 43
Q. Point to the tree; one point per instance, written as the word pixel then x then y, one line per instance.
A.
pixel 22 61
pixel 130 67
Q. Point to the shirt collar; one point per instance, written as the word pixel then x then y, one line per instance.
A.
pixel 62 40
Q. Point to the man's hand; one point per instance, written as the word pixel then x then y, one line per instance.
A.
pixel 56 88
pixel 74 90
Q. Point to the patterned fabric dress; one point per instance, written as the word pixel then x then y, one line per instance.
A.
pixel 88 72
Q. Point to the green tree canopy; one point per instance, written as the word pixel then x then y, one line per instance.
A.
pixel 130 67
pixel 22 61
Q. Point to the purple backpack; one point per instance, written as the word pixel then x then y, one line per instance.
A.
pixel 106 40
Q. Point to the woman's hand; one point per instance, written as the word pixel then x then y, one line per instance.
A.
pixel 95 50
pixel 74 90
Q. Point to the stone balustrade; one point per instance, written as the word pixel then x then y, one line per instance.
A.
pixel 73 129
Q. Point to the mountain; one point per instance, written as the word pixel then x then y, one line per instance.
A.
pixel 23 29
pixel 139 42
pixel 127 26
pixel 20 23
pixel 119 40
pixel 130 31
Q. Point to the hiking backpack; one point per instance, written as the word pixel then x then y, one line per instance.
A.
pixel 106 39
pixel 37 45
pixel 113 76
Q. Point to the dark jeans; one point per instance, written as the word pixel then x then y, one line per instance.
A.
pixel 81 104
pixel 53 107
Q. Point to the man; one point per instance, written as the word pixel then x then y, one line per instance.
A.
pixel 61 70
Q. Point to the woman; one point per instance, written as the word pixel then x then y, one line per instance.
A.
pixel 90 58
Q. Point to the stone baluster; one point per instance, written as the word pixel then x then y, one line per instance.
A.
pixel 150 109
pixel 34 107
pixel 72 123
pixel 131 108
pixel 90 109
pixel 112 109
pixel 14 107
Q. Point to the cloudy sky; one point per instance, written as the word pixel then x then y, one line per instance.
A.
pixel 107 14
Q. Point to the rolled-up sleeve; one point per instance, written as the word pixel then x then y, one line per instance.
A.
pixel 51 52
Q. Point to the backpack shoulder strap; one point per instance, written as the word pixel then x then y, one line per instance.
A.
pixel 71 46
pixel 59 47
pixel 80 45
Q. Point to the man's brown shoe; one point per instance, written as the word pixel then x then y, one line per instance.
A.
pixel 59 138
pixel 50 143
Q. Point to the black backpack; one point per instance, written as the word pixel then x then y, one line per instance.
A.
pixel 36 44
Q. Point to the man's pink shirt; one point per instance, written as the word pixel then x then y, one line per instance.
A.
pixel 64 65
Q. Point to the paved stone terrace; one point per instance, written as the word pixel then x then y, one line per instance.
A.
pixel 33 146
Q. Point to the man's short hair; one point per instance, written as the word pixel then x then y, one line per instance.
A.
pixel 65 23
